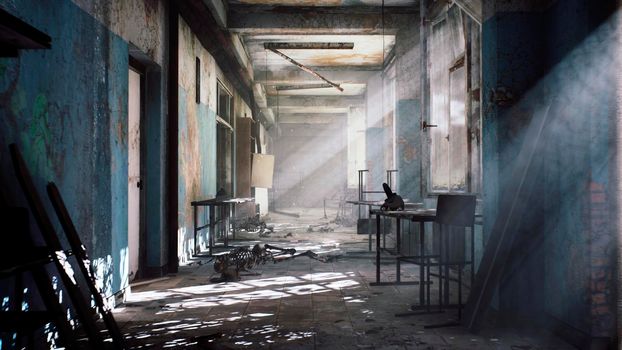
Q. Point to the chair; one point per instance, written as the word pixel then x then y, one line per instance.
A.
pixel 453 211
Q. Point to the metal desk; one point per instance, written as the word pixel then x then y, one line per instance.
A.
pixel 226 205
pixel 378 204
pixel 417 215
pixel 369 205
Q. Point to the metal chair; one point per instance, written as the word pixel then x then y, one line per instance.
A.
pixel 453 211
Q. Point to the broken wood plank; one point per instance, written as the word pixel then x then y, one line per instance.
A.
pixel 84 263
pixel 83 312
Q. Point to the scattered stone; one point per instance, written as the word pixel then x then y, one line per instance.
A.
pixel 373 330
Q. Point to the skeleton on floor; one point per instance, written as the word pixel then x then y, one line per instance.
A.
pixel 239 259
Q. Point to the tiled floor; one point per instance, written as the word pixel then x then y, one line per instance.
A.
pixel 299 303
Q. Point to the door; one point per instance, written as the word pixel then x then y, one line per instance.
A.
pixel 133 172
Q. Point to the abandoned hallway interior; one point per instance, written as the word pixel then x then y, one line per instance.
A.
pixel 218 168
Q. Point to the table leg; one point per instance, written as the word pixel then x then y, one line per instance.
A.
pixel 384 235
pixel 194 216
pixel 440 268
pixel 369 225
pixel 446 266
pixel 377 248
pixel 472 255
pixel 398 250
pixel 421 267
pixel 233 218
pixel 212 228
pixel 398 231
pixel 227 210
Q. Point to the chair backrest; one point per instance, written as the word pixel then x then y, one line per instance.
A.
pixel 455 210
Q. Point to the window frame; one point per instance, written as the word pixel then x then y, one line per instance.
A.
pixel 473 119
pixel 229 126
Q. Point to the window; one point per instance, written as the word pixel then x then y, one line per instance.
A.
pixel 224 104
pixel 224 142
pixel 454 109
pixel 388 117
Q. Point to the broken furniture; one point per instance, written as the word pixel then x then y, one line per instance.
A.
pixel 225 206
pixel 243 258
pixel 84 264
pixel 20 257
pixel 59 258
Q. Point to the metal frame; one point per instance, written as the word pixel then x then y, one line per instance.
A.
pixel 226 208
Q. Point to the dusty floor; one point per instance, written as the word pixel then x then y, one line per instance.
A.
pixel 300 303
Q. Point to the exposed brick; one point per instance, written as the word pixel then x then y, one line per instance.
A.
pixel 599 298
pixel 598 198
pixel 595 186
pixel 600 262
pixel 598 274
pixel 601 310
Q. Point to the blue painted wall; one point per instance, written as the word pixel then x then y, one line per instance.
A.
pixel 66 109
pixel 553 63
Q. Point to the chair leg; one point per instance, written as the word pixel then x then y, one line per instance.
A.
pixel 440 272
pixel 427 281
pixel 459 292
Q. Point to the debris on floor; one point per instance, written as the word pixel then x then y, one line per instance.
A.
pixel 244 258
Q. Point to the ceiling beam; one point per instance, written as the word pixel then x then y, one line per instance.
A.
pixel 302 87
pixel 308 46
pixel 316 101
pixel 319 20
pixel 311 119
pixel 308 110
pixel 291 77
pixel 219 11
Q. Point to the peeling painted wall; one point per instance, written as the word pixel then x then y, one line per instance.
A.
pixel 197 132
pixel 142 23
pixel 66 108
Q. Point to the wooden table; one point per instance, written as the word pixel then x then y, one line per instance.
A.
pixel 227 210
pixel 417 215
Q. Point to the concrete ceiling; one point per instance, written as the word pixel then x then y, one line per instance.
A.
pixel 349 68
pixel 367 51
pixel 324 2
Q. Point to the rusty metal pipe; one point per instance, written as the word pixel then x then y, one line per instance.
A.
pixel 306 69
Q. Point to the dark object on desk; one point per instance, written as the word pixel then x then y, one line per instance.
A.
pixel 239 259
pixel 393 201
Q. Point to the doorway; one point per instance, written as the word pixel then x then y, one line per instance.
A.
pixel 134 183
